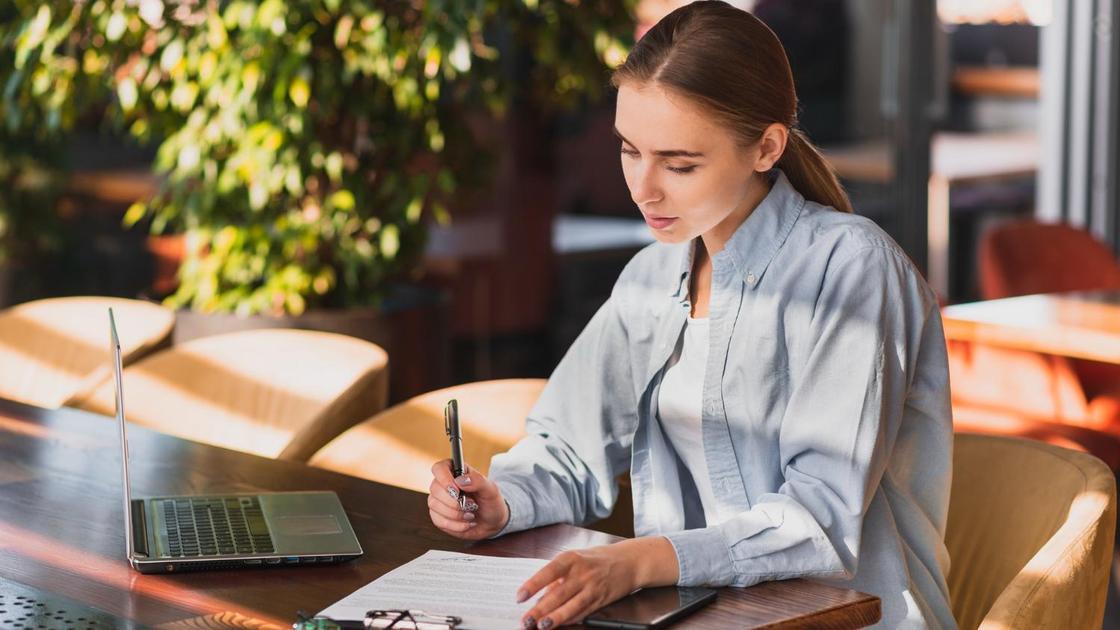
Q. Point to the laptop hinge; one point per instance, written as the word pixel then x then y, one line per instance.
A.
pixel 139 529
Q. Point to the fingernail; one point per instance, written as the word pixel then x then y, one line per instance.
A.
pixel 522 595
pixel 545 624
pixel 463 480
pixel 472 507
pixel 529 622
pixel 453 491
pixel 469 516
pixel 471 525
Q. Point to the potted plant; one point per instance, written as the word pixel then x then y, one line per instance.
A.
pixel 304 146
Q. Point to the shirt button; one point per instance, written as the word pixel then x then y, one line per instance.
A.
pixel 750 278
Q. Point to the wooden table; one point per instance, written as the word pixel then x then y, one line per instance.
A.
pixel 1081 324
pixel 1007 81
pixel 61 531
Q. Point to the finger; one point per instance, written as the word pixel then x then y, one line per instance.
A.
pixel 572 611
pixel 470 481
pixel 448 512
pixel 447 495
pixel 477 484
pixel 547 574
pixel 557 594
pixel 470 478
pixel 448 525
pixel 441 470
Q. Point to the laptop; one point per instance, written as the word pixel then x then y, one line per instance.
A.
pixel 193 533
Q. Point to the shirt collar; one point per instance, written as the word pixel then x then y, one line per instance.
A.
pixel 754 244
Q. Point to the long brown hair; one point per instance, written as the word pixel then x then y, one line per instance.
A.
pixel 733 66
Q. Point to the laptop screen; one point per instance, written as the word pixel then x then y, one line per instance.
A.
pixel 115 347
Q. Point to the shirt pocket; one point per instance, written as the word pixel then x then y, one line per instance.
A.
pixel 756 389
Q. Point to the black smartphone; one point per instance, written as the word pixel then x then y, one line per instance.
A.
pixel 651 608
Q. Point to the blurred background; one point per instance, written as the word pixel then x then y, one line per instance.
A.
pixel 439 179
pixel 449 173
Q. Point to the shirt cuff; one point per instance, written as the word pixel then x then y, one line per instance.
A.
pixel 703 557
pixel 520 504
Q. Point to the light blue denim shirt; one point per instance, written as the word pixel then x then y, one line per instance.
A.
pixel 825 416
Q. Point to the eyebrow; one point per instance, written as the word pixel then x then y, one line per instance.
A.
pixel 664 152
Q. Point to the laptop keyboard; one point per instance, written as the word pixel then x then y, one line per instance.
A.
pixel 212 526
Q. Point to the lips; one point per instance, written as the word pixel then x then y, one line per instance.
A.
pixel 659 223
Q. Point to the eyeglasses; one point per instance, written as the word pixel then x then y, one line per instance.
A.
pixel 417 619
pixel 396 619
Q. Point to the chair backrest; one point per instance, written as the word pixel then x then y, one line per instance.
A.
pixel 399 445
pixel 56 351
pixel 275 392
pixel 1025 257
pixel 1030 534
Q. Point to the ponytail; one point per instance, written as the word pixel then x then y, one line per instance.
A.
pixel 810 174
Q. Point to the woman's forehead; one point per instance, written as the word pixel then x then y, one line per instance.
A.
pixel 651 116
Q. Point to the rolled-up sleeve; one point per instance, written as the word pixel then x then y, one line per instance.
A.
pixel 579 432
pixel 846 405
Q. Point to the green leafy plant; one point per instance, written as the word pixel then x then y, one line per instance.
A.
pixel 40 77
pixel 304 145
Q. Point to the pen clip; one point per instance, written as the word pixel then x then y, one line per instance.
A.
pixel 450 415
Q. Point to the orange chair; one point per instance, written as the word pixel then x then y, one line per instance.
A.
pixel 1026 257
pixel 1051 398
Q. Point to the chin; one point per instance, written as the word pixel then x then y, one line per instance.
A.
pixel 670 237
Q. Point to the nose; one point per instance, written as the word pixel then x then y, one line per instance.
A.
pixel 644 187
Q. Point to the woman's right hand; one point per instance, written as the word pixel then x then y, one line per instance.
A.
pixel 485 514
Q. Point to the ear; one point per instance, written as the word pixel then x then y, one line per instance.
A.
pixel 771 145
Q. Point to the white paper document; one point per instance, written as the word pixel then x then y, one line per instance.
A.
pixel 480 589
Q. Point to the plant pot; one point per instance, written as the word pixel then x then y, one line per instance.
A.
pixel 168 252
pixel 411 325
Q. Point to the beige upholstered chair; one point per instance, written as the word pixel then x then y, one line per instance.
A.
pixel 277 393
pixel 399 445
pixel 56 351
pixel 1030 534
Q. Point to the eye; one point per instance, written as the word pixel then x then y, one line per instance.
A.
pixel 683 170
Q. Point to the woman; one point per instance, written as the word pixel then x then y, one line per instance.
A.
pixel 772 372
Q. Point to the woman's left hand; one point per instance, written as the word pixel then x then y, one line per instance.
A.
pixel 580 582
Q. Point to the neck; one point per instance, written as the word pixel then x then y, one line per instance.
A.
pixel 701 280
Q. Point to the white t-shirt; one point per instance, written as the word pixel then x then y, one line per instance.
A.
pixel 680 402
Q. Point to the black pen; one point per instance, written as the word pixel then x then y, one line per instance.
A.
pixel 455 436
